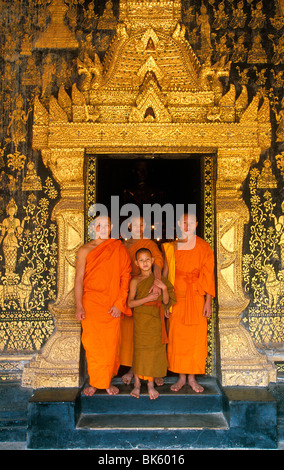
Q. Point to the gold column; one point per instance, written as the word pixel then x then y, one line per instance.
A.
pixel 57 365
pixel 241 363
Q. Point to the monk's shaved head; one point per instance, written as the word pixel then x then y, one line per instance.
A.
pixel 142 250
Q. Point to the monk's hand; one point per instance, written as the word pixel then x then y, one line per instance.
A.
pixel 155 289
pixel 80 313
pixel 160 284
pixel 207 309
pixel 152 297
pixel 167 313
pixel 115 312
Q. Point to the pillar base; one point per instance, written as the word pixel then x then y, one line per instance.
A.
pixel 58 364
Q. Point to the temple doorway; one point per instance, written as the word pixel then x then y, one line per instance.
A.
pixel 163 179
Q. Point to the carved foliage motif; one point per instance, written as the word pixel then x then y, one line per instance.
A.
pixel 263 259
pixel 28 257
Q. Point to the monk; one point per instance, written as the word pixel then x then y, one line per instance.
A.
pixel 150 337
pixel 189 265
pixel 101 289
pixel 133 244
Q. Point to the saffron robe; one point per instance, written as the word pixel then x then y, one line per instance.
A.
pixel 192 274
pixel 126 349
pixel 106 283
pixel 150 338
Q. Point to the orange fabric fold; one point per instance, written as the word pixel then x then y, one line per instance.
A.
pixel 145 377
pixel 191 316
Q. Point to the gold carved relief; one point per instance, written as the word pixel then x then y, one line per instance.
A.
pixel 242 364
pixel 107 20
pixel 57 33
pixel 27 261
pixel 58 363
pixel 263 265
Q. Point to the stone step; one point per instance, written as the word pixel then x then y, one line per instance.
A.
pixel 13 427
pixel 185 401
pixel 123 422
pixel 14 412
pixel 227 417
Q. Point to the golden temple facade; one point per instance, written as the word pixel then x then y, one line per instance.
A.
pixel 137 77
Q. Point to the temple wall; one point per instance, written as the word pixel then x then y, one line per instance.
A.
pixel 42 206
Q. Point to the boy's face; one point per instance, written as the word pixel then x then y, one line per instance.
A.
pixel 144 261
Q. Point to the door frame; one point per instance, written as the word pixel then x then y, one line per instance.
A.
pixel 208 181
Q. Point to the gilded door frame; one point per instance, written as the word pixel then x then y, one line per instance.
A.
pixel 237 146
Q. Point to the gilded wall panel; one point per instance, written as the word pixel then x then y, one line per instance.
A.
pixel 28 254
pixel 263 260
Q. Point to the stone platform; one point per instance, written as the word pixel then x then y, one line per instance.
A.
pixel 219 418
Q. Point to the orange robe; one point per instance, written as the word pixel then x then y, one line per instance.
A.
pixel 192 274
pixel 106 283
pixel 126 349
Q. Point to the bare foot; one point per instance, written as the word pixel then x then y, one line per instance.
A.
pixel 159 381
pixel 126 378
pixel 112 390
pixel 153 394
pixel 135 392
pixel 137 385
pixel 89 391
pixel 194 385
pixel 179 384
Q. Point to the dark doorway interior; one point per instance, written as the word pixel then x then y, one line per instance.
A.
pixel 140 180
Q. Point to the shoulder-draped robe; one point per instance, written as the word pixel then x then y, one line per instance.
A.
pixel 192 274
pixel 150 338
pixel 106 283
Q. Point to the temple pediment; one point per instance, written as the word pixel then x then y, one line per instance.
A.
pixel 150 74
pixel 149 106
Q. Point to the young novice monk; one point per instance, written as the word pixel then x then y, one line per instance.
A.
pixel 149 357
pixel 133 245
